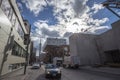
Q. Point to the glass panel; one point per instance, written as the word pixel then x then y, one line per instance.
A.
pixel 10 14
pixel 20 31
pixel 13 19
pixel 5 6
pixel 16 25
pixel 18 50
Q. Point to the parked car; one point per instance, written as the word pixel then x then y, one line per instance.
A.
pixel 35 66
pixel 52 71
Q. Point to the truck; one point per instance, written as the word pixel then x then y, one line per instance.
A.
pixel 71 62
pixel 57 61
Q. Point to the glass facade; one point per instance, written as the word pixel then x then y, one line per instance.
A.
pixel 20 31
pixel 18 50
pixel 5 6
pixel 9 12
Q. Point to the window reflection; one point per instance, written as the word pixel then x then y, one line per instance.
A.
pixel 18 50
pixel 6 7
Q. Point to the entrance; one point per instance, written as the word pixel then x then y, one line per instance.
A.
pixel 112 56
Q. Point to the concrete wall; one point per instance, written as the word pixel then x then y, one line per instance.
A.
pixel 72 44
pixel 92 48
pixel 4 33
pixel 116 31
pixel 84 46
pixel 106 42
pixel 109 41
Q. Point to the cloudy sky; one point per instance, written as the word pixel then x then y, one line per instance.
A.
pixel 61 18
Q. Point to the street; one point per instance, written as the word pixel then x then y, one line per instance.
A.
pixel 67 74
pixel 73 74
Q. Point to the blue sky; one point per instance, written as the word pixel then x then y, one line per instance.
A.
pixel 60 18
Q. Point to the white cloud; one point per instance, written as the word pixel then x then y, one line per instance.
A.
pixel 97 7
pixel 44 29
pixel 35 6
pixel 72 15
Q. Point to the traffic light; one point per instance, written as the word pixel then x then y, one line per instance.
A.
pixel 26 39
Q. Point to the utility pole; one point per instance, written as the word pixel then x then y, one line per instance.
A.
pixel 26 42
pixel 40 50
pixel 26 59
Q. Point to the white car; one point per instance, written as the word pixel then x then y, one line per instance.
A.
pixel 35 66
pixel 52 71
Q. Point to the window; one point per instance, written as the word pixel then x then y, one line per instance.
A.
pixel 16 25
pixel 18 50
pixel 5 6
pixel 10 14
pixel 20 31
pixel 12 67
pixel 13 19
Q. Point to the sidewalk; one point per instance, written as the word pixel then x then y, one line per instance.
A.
pixel 31 74
pixel 16 75
pixel 109 70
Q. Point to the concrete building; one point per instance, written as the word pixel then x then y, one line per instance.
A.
pixel 54 47
pixel 84 46
pixel 97 49
pixel 108 45
pixel 32 56
pixel 12 30
pixel 55 41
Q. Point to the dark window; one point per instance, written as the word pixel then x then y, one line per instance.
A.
pixel 18 50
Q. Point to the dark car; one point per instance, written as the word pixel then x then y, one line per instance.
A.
pixel 52 71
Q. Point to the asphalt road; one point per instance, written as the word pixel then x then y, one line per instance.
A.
pixel 73 74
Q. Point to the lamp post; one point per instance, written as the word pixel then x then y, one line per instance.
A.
pixel 26 42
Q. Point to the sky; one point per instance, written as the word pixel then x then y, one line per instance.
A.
pixel 61 18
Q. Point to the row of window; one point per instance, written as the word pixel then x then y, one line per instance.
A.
pixel 12 67
pixel 8 10
pixel 18 50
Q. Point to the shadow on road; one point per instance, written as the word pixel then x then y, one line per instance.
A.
pixel 100 73
pixel 42 77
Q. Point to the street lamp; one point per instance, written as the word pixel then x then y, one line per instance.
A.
pixel 26 42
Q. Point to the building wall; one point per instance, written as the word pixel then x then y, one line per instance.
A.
pixel 55 41
pixel 103 48
pixel 87 49
pixel 73 44
pixel 12 32
pixel 84 46
pixel 5 27
pixel 107 40
pixel 116 31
